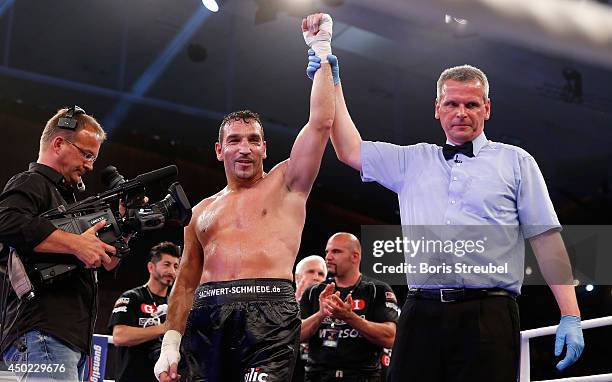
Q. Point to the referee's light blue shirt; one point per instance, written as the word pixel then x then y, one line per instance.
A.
pixel 501 185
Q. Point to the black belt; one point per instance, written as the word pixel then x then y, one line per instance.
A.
pixel 457 294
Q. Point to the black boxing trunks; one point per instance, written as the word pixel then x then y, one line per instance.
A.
pixel 242 330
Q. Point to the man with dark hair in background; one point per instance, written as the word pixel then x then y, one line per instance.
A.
pixel 48 334
pixel 139 314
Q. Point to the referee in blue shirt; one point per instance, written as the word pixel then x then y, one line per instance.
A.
pixel 465 328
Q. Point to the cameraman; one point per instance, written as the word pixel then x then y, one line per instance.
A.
pixel 139 314
pixel 47 336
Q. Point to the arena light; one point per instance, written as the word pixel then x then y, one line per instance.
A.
pixel 460 27
pixel 448 19
pixel 211 5
pixel 589 288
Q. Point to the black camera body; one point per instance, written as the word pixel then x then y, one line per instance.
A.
pixel 110 234
pixel 174 207
pixel 79 217
pixel 47 272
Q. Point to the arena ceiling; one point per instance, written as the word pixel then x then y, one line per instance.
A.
pixel 154 70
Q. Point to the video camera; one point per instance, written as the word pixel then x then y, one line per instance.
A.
pixel 79 217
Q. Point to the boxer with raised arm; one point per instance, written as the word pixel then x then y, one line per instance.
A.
pixel 241 244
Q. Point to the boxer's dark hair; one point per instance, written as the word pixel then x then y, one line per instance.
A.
pixel 167 247
pixel 245 115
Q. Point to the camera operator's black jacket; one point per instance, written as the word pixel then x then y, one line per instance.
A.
pixel 65 309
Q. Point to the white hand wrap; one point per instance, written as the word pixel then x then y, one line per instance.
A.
pixel 169 352
pixel 321 42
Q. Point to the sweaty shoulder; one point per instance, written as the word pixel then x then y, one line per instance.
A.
pixel 279 170
pixel 199 210
pixel 280 166
pixel 276 175
pixel 201 206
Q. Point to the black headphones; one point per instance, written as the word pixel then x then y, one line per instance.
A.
pixel 68 121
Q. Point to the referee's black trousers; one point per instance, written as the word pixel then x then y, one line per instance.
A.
pixel 466 341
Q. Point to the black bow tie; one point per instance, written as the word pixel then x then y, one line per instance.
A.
pixel 450 151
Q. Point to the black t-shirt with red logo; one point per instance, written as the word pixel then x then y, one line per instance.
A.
pixel 139 308
pixel 385 361
pixel 336 345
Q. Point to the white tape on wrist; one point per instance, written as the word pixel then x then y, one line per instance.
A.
pixel 322 50
pixel 321 43
pixel 169 353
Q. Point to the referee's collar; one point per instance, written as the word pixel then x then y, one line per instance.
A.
pixel 478 143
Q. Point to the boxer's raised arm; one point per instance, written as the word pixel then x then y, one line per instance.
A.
pixel 344 134
pixel 310 143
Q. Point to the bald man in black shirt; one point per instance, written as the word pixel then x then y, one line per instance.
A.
pixel 348 322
